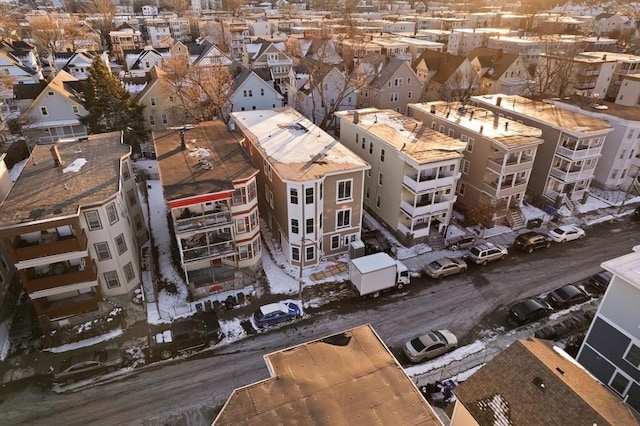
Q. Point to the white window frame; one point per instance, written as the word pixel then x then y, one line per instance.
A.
pixel 129 272
pixel 90 220
pixel 613 376
pixel 110 277
pixel 121 244
pixel 102 244
pixel 626 353
pixel 465 166
pixel 346 197
pixel 470 142
pixel 335 242
pixel 112 213
pixel 44 111
pixel 341 213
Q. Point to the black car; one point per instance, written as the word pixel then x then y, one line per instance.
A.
pixel 529 241
pixel 567 296
pixel 600 281
pixel 530 310
pixel 88 364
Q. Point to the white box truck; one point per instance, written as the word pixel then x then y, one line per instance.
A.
pixel 376 272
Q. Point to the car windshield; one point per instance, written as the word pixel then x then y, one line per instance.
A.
pixel 436 335
pixel 475 251
pixel 566 292
pixel 435 264
pixel 417 344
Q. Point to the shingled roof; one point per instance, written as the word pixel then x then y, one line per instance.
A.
pixel 444 64
pixel 532 382
pixel 496 62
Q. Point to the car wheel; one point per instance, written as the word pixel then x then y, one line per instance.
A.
pixel 503 257
pixel 485 263
pixel 400 285
pixel 454 248
pixel 548 245
pixel 375 295
pixel 530 250
pixel 581 237
pixel 563 241
pixel 463 269
pixel 166 354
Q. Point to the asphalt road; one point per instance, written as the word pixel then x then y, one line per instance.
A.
pixel 190 392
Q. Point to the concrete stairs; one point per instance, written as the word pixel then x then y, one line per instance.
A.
pixel 435 240
pixel 514 219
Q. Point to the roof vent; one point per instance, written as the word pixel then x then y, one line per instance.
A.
pixel 560 370
pixel 539 383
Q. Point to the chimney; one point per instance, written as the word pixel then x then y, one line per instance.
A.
pixel 356 117
pixel 182 143
pixel 498 100
pixel 481 129
pixel 433 109
pixel 57 160
pixel 496 117
pixel 604 57
pixel 471 116
pixel 506 126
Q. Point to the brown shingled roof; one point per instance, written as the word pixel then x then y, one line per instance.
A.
pixel 534 383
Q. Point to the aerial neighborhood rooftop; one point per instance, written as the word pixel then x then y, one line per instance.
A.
pixel 190 190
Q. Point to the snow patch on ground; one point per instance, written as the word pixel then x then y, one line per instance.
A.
pixel 87 342
pixel 446 359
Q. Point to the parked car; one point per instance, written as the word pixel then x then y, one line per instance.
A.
pixel 430 345
pixel 445 266
pixel 275 313
pixel 484 253
pixel 461 242
pixel 600 281
pixel 564 233
pixel 529 310
pixel 566 296
pixel 529 241
pixel 88 364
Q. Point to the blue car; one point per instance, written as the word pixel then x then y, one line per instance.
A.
pixel 275 313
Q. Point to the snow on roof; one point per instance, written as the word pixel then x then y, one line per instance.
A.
pixel 273 307
pixel 75 166
pixel 296 148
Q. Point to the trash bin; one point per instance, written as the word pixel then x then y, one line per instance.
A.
pixel 534 223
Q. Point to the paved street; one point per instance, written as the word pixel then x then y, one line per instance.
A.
pixel 192 391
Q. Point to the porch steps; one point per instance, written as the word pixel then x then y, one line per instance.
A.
pixel 514 219
pixel 435 240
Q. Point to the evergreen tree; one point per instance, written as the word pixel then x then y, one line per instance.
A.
pixel 110 107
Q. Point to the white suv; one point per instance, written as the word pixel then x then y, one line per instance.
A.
pixel 486 252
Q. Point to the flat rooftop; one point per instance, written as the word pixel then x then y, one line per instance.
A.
pixel 349 378
pixel 412 137
pixel 90 174
pixel 297 149
pixel 212 159
pixel 626 266
pixel 602 107
pixel 544 112
pixel 508 133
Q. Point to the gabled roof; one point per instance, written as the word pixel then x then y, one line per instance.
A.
pixel 28 91
pixel 496 62
pixel 444 64
pixel 390 67
pixel 534 382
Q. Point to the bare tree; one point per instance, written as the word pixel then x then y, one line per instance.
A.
pixel 177 6
pixel 204 92
pixel 46 33
pixel 105 10
pixel 462 85
pixel 330 86
pixel 552 74
pixel 217 34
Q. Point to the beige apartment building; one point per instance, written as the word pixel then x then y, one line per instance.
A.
pixel 498 157
pixel 72 225
pixel 310 187
pixel 411 186
pixel 565 163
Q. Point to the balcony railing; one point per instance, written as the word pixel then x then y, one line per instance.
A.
pixel 211 251
pixel 33 250
pixel 505 190
pixel 571 176
pixel 60 276
pixel 426 209
pixel 510 167
pixel 65 308
pixel 577 154
pixel 425 185
pixel 200 222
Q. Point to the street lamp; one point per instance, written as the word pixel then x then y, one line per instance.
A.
pixel 319 251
